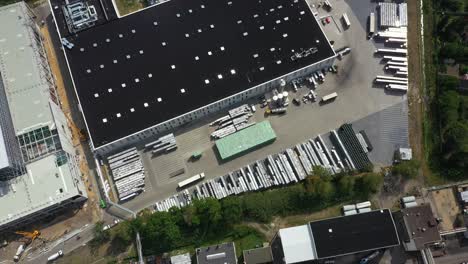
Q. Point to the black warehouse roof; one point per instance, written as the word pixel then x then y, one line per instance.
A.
pixel 354 233
pixel 146 68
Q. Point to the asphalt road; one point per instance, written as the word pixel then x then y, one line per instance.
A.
pixel 67 244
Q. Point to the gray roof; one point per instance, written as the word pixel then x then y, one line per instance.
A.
pixel 217 254
pixel 258 255
pixel 23 76
pixel 181 259
pixel 54 177
pixel 298 244
pixel 44 185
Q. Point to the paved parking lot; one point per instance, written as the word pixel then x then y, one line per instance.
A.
pixel 357 100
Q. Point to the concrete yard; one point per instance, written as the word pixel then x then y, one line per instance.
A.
pixel 358 101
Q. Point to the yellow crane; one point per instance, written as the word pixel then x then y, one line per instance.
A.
pixel 29 237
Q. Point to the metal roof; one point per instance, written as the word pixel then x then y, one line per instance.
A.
pixel 217 254
pixel 181 259
pixel 258 255
pixel 298 245
pixel 22 69
pixel 36 190
pixel 176 57
pixel 245 140
pixel 354 233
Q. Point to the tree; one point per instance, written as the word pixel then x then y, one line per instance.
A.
pixel 320 172
pixel 449 103
pixel 100 235
pixel 257 207
pixel 345 185
pixel 208 211
pixel 369 183
pixel 124 233
pixel 160 232
pixel 319 188
pixel 231 210
pixel 408 169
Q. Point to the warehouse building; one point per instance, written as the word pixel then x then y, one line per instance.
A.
pixel 38 170
pixel 333 237
pixel 171 64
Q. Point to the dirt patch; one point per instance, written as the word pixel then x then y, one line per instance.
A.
pixel 416 93
pixel 270 230
pixel 446 207
pixel 77 134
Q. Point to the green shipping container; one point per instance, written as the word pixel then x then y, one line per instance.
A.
pixel 246 140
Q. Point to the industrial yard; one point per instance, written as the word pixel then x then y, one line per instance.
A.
pixel 240 120
pixel 380 113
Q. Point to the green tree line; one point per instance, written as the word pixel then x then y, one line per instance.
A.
pixel 449 106
pixel 208 220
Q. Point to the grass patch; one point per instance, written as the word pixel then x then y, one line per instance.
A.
pixel 128 6
pixel 302 219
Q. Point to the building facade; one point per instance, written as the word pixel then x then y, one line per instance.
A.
pixel 214 107
pixel 41 175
